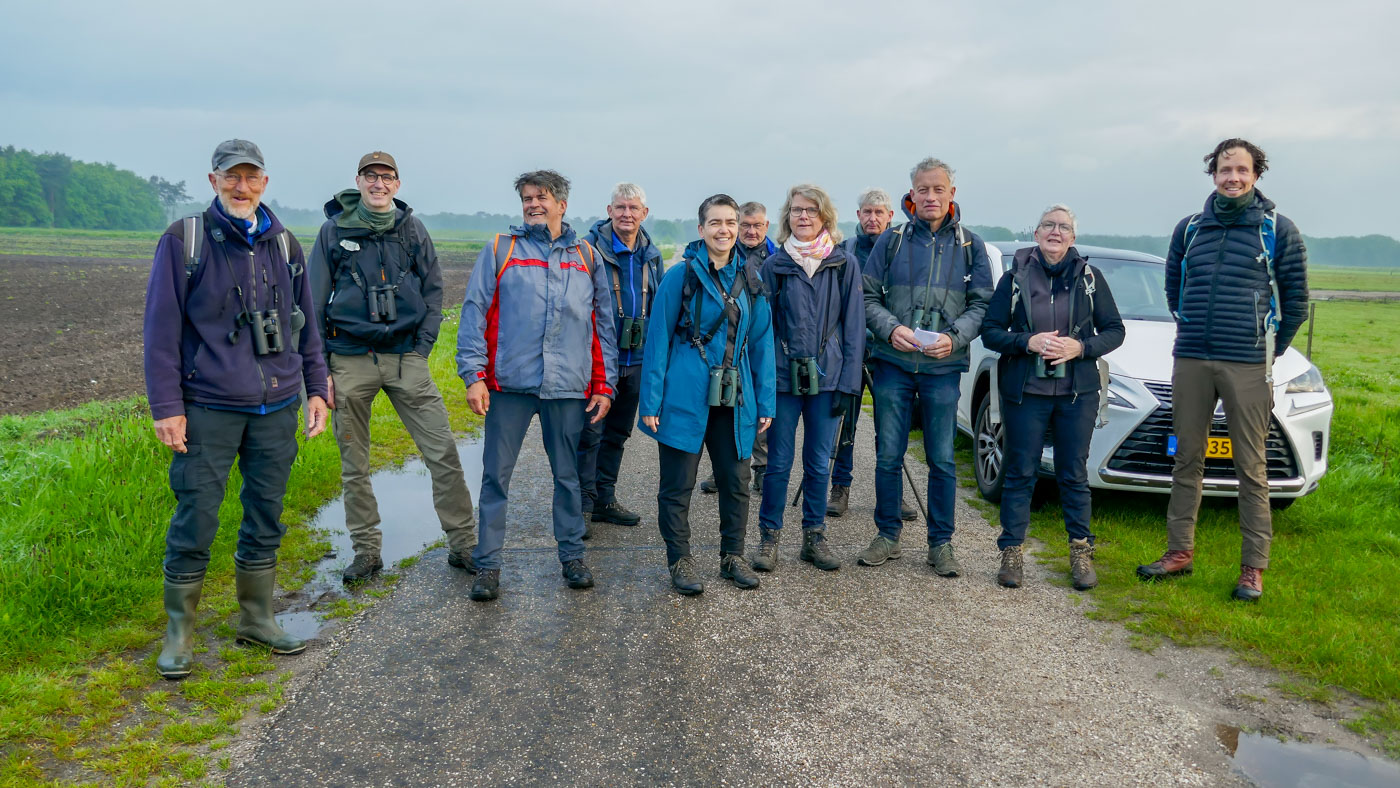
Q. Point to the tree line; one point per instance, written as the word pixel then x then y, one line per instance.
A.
pixel 54 190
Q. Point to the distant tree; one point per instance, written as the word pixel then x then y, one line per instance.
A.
pixel 170 194
pixel 21 200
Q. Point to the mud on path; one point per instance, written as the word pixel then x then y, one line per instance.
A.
pixel 72 328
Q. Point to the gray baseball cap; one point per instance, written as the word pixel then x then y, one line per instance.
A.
pixel 232 153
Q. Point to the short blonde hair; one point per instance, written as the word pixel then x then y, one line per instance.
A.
pixel 826 209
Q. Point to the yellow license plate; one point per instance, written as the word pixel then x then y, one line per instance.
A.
pixel 1218 448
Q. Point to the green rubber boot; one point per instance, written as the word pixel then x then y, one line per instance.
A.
pixel 177 656
pixel 255 623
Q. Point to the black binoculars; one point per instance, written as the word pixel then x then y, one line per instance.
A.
pixel 925 319
pixel 806 378
pixel 382 308
pixel 724 387
pixel 1043 369
pixel 634 333
pixel 267 332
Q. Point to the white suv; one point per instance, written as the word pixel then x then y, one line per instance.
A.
pixel 1130 451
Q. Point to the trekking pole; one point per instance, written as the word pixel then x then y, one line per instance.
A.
pixel 830 466
pixel 914 488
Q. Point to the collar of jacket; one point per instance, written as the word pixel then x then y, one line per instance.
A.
pixel 700 261
pixel 768 246
pixel 921 227
pixel 540 233
pixel 268 224
pixel 603 231
pixel 1030 255
pixel 1253 215
pixel 784 265
pixel 333 208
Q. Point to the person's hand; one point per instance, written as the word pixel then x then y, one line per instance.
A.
pixel 315 417
pixel 939 348
pixel 330 392
pixel 764 424
pixel 902 339
pixel 171 432
pixel 1065 349
pixel 653 422
pixel 600 403
pixel 1039 342
pixel 478 398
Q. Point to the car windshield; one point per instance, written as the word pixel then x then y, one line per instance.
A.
pixel 1139 288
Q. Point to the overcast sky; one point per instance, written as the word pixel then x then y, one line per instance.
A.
pixel 1108 107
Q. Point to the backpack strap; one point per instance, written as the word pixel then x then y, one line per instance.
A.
pixel 966 243
pixel 1193 226
pixel 501 260
pixel 193 227
pixel 1268 238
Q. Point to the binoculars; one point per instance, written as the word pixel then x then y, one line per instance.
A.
pixel 805 376
pixel 1043 369
pixel 382 308
pixel 926 319
pixel 724 387
pixel 633 335
pixel 267 332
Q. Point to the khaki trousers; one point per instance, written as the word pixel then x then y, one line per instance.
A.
pixel 410 388
pixel 1248 400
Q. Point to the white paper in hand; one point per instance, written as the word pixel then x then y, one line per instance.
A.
pixel 924 338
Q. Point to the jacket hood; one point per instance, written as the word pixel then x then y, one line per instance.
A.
pixel 1254 214
pixel 604 230
pixel 540 232
pixel 953 218
pixel 216 215
pixel 349 199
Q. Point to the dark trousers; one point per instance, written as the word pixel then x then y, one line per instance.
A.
pixel 678 482
pixel 818 434
pixel 561 421
pixel 265 445
pixel 843 469
pixel 895 390
pixel 600 445
pixel 1025 424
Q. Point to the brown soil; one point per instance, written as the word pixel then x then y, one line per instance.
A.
pixel 72 328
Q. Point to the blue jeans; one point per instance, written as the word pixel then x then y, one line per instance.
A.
pixel 818 435
pixel 561 422
pixel 1026 423
pixel 938 397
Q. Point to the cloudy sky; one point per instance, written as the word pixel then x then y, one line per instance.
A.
pixel 1106 106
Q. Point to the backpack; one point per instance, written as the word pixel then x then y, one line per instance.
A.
pixel 752 284
pixel 192 227
pixel 1268 239
pixel 963 240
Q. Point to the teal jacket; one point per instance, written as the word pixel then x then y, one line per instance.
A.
pixel 675 374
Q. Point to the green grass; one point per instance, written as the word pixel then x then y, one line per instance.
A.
pixel 1367 279
pixel 86 503
pixel 1328 616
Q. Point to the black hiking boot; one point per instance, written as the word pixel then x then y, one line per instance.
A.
pixel 736 570
pixel 765 559
pixel 487 586
pixel 817 552
pixel 576 574
pixel 839 500
pixel 362 568
pixel 615 513
pixel 684 578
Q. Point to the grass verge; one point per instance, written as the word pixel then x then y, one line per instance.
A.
pixel 86 504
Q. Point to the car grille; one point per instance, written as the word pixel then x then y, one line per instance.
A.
pixel 1145 450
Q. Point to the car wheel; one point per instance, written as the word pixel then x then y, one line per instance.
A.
pixel 1281 503
pixel 988 452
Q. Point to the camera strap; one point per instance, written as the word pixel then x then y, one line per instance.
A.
pixel 617 289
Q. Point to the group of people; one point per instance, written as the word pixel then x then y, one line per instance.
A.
pixel 727 351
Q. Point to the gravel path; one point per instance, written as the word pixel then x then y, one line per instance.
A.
pixel 887 675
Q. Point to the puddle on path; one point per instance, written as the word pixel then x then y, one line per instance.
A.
pixel 1273 763
pixel 409 524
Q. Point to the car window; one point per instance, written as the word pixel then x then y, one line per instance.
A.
pixel 1139 288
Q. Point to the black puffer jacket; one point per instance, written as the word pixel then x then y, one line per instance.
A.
pixel 1220 313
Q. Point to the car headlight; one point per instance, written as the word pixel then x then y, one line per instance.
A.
pixel 1116 398
pixel 1310 381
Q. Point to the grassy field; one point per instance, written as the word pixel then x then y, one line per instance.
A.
pixel 1328 617
pixel 86 504
pixel 1374 280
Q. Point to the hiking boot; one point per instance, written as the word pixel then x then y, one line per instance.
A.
pixel 944 563
pixel 576 574
pixel 461 560
pixel 256 625
pixel 1250 586
pixel 735 569
pixel 362 568
pixel 758 477
pixel 1081 565
pixel 176 658
pixel 709 487
pixel 1172 563
pixel 615 513
pixel 587 528
pixel 765 559
pixel 880 550
pixel 817 552
pixel 1012 564
pixel 839 500
pixel 487 585
pixel 684 578
pixel 907 513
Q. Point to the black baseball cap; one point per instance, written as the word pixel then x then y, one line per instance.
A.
pixel 232 153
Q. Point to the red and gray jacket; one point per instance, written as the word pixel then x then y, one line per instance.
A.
pixel 536 318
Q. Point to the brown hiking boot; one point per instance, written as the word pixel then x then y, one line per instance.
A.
pixel 1172 562
pixel 1250 586
pixel 1009 576
pixel 1081 564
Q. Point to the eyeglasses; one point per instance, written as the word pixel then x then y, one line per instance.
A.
pixel 376 177
pixel 233 178
pixel 796 211
pixel 1064 228
pixel 751 225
